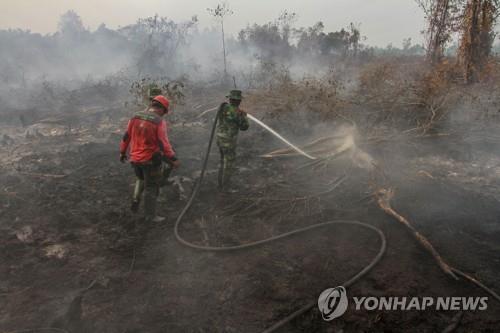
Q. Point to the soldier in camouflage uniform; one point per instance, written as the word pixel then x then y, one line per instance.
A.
pixel 231 120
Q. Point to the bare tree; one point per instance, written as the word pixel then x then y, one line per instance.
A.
pixel 160 40
pixel 285 22
pixel 220 12
pixel 354 38
pixel 71 24
pixel 442 17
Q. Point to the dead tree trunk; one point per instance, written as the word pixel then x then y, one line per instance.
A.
pixel 442 18
pixel 477 38
pixel 438 31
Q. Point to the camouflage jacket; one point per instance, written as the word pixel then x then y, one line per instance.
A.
pixel 230 123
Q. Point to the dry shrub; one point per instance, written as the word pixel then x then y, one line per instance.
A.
pixel 379 85
pixel 491 72
pixel 387 92
pixel 434 92
pixel 481 99
pixel 172 89
pixel 374 73
pixel 408 92
pixel 321 96
pixel 434 85
pixel 402 93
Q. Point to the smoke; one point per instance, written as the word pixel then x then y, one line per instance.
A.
pixel 158 46
pixel 314 72
pixel 358 157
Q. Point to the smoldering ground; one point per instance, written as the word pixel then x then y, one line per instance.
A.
pixel 75 259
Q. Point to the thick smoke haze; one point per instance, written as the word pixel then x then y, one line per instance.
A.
pixel 157 39
pixel 392 132
pixel 378 18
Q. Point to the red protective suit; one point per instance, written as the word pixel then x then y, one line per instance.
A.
pixel 146 134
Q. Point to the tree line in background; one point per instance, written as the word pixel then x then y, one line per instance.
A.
pixel 160 46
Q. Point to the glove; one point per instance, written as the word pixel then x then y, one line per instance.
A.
pixel 173 162
pixel 242 113
pixel 123 157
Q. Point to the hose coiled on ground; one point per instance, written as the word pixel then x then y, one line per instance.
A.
pixel 310 305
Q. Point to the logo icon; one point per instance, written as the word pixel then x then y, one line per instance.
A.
pixel 333 303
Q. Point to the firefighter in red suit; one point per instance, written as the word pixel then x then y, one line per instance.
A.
pixel 146 139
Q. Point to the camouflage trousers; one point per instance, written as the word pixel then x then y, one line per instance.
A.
pixel 227 165
pixel 149 179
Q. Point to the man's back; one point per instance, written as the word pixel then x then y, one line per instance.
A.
pixel 230 123
pixel 146 135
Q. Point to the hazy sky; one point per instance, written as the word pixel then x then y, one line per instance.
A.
pixel 382 21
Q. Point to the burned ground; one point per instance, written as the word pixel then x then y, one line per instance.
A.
pixel 75 259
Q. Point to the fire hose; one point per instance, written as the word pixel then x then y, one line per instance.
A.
pixel 308 306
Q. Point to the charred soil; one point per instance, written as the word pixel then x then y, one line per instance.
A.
pixel 75 259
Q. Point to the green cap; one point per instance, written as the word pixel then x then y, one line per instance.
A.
pixel 235 94
pixel 154 90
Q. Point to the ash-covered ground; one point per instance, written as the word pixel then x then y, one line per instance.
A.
pixel 75 259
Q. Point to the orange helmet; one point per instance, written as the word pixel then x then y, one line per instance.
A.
pixel 162 100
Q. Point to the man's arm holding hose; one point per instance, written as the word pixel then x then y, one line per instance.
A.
pixel 166 147
pixel 243 123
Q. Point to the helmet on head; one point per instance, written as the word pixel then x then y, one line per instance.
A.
pixel 162 100
pixel 235 94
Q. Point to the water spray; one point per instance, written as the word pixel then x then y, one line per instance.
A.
pixel 276 134
pixel 270 130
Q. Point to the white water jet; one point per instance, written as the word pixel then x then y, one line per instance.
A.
pixel 297 149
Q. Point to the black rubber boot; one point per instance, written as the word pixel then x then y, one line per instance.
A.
pixel 134 207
